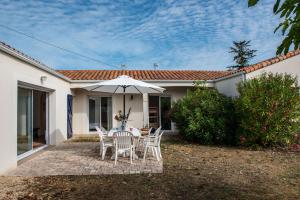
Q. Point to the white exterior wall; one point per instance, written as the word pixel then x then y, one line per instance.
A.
pixel 176 93
pixel 139 106
pixel 228 86
pixel 81 109
pixel 12 71
pixel 289 66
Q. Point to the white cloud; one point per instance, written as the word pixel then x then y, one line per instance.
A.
pixel 190 33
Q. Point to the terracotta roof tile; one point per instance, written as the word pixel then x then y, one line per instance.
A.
pixel 264 63
pixel 158 74
pixel 142 74
pixel 271 61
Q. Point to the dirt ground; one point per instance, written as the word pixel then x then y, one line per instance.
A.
pixel 190 172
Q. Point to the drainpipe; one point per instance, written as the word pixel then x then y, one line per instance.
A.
pixel 244 77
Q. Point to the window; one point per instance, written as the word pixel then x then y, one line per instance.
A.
pixel 100 112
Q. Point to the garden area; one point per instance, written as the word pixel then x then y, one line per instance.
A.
pixel 191 171
pixel 266 114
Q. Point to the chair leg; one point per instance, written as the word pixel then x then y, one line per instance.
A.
pixel 130 155
pixel 156 153
pixel 103 153
pixel 116 156
pixel 152 152
pixel 145 152
pixel 159 152
pixel 100 149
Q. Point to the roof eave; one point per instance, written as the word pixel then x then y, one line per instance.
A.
pixel 38 65
pixel 165 81
pixel 229 76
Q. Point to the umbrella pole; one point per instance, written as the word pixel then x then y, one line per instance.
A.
pixel 123 119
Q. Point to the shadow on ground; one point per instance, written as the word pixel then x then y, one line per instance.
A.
pixel 190 172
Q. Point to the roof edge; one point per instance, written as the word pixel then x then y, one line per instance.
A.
pixel 261 64
pixel 27 59
pixel 165 81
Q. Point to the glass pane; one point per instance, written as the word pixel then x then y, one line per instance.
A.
pixel 94 115
pixel 39 119
pixel 154 111
pixel 109 113
pixel 24 118
pixel 165 108
pixel 106 113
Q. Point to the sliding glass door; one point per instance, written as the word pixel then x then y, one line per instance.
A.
pixel 31 120
pixel 100 112
pixel 24 121
pixel 165 109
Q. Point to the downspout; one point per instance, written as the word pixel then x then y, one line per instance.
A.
pixel 244 77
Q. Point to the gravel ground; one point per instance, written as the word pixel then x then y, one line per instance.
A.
pixel 190 172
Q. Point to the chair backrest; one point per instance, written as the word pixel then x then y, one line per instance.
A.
pixel 100 133
pixel 159 137
pixel 103 130
pixel 157 131
pixel 123 139
pixel 150 130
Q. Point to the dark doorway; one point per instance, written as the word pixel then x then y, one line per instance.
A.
pixel 159 112
pixel 154 111
pixel 70 116
pixel 39 127
pixel 165 109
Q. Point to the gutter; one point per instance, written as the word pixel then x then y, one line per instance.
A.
pixel 163 81
pixel 33 63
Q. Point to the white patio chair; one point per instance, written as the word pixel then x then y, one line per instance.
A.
pixel 105 142
pixel 104 130
pixel 123 141
pixel 154 144
pixel 150 136
pixel 141 139
pixel 157 131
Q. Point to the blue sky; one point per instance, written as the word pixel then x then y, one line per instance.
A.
pixel 184 34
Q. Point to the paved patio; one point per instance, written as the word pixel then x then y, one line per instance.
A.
pixel 81 158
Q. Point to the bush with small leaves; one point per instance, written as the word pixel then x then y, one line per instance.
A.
pixel 268 110
pixel 205 116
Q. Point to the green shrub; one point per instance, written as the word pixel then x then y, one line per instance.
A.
pixel 204 116
pixel 268 110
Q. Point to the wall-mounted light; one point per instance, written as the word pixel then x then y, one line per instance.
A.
pixel 131 97
pixel 43 79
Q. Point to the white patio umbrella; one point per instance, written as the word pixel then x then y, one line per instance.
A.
pixel 124 85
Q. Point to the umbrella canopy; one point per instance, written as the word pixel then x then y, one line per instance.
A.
pixel 124 85
pixel 131 86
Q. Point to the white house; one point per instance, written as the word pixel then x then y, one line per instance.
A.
pixel 41 106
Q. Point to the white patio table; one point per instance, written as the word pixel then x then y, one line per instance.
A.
pixel 135 132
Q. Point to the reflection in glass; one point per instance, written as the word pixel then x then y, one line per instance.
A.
pixel 24 118
pixel 100 112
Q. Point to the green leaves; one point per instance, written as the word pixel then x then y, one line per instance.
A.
pixel 289 12
pixel 268 110
pixel 204 116
pixel 275 8
pixel 242 53
pixel 252 3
